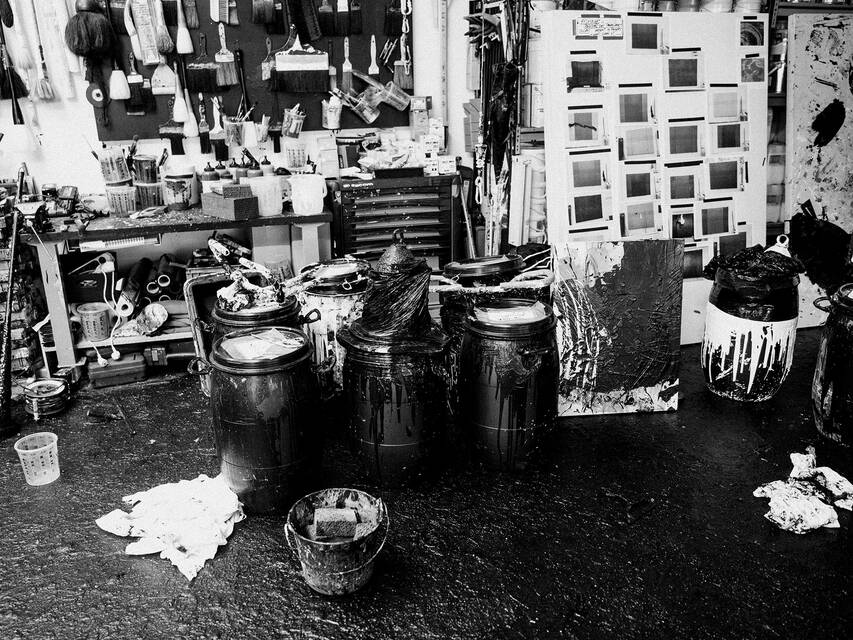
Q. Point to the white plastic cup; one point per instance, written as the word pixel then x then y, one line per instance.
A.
pixel 39 457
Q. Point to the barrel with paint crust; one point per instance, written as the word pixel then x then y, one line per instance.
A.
pixel 337 290
pixel 508 375
pixel 284 314
pixel 750 331
pixel 832 387
pixel 396 408
pixel 264 401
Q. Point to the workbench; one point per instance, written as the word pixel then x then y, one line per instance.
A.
pixel 273 240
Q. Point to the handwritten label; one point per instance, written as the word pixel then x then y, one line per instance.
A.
pixel 607 27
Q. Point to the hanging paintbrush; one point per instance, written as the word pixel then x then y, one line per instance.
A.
pixel 275 127
pixel 119 88
pixel 355 25
pixel 130 28
pixel 403 67
pixel 233 18
pixel 373 69
pixel 346 69
pixel 115 12
pixel 219 10
pixel 268 64
pixel 191 13
pixel 179 107
pixel 145 22
pixel 44 90
pixel 163 79
pixel 183 41
pixel 203 127
pixel 141 99
pixel 6 15
pixel 307 20
pixel 326 18
pixel 342 18
pixel 217 133
pixel 19 47
pixel 282 20
pixel 202 72
pixel 244 96
pixel 393 26
pixel 88 33
pixel 333 70
pixel 165 44
pixel 302 70
pixel 227 73
pixel 173 132
pixel 263 11
pixel 191 129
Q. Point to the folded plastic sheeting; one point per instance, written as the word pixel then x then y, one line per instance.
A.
pixel 806 500
pixel 184 521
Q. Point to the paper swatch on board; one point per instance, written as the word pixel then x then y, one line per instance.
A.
pixel 619 326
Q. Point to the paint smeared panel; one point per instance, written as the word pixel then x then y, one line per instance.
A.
pixel 828 122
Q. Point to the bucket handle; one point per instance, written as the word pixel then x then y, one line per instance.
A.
pixel 822 299
pixel 198 367
pixel 310 317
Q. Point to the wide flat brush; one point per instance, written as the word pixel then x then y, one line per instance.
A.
pixel 226 75
pixel 173 132
pixel 346 69
pixel 326 18
pixel 202 72
pixel 191 12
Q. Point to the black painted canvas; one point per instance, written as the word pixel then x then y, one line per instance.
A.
pixel 619 330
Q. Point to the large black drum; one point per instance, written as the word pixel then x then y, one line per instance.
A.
pixel 264 400
pixel 395 399
pixel 508 375
pixel 832 389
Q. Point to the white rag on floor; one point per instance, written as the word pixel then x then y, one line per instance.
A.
pixel 806 500
pixel 184 521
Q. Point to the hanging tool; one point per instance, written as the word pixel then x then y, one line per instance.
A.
pixel 373 69
pixel 346 69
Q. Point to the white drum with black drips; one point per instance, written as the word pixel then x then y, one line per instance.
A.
pixel 336 290
pixel 750 332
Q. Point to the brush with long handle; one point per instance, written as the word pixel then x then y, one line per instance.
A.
pixel 44 90
pixel 346 69
pixel 179 109
pixel 183 41
pixel 130 27
pixel 7 427
pixel 203 127
pixel 201 72
pixel 191 129
pixel 244 97
pixel 165 44
pixel 333 70
pixel 10 78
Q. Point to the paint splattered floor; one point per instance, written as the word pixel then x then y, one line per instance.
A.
pixel 631 527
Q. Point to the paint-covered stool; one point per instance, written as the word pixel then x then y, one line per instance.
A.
pixel 750 331
pixel 832 389
pixel 508 375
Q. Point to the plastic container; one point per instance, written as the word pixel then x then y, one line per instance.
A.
pixel 295 154
pixel 113 165
pixel 122 200
pixel 307 193
pixel 291 127
pixel 95 319
pixel 145 168
pixel 336 568
pixel 180 188
pixel 269 192
pixel 395 97
pixel 233 131
pixel 39 457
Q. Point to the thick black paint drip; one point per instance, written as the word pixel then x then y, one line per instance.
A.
pixel 828 122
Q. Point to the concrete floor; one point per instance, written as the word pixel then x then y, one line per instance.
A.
pixel 630 527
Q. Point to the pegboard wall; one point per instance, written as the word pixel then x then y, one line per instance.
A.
pixel 251 38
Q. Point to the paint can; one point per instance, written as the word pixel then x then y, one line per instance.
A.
pixel 832 387
pixel 263 400
pixel 180 188
pixel 509 369
pixel 145 168
pixel 750 331
pixel 337 568
pixel 337 290
pixel 284 314
pixel 149 195
pixel 394 396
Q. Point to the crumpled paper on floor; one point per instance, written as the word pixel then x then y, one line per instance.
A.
pixel 806 500
pixel 184 521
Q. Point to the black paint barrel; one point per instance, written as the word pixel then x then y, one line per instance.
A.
pixel 284 314
pixel 395 404
pixel 750 331
pixel 264 400
pixel 508 375
pixel 832 388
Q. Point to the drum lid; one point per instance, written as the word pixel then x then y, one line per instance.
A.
pixel 487 266
pixel 288 306
pixel 511 317
pixel 262 349
pixel 843 298
pixel 339 275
